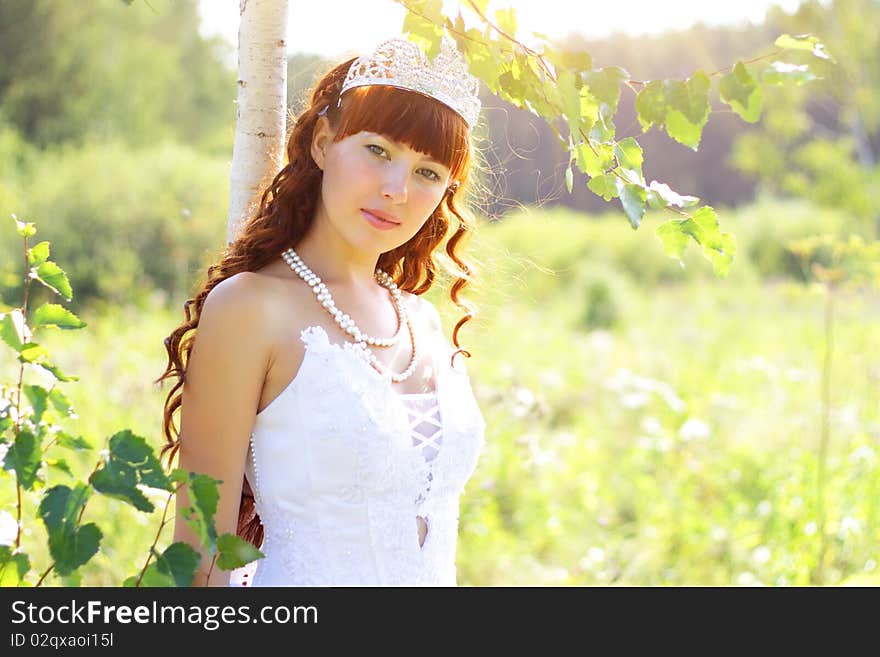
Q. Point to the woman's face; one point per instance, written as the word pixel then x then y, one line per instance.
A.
pixel 367 178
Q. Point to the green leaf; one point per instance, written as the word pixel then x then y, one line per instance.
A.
pixel 594 158
pixel 683 107
pixel 76 443
pixel 131 462
pixel 57 373
pixel 682 130
pixel 13 566
pixel 37 396
pixel 604 185
pixel 722 257
pixel 569 179
pixel 672 237
pixel 482 61
pixel 799 42
pixel 54 315
pixel 569 95
pixel 589 107
pixel 457 25
pixel 651 104
pixel 512 89
pixel 61 402
pixel 32 352
pixel 235 552
pixel 718 247
pixel 632 198
pixel 425 34
pixel 629 155
pixel 604 130
pixel 176 566
pixel 629 176
pixel 24 456
pixel 24 229
pixel 53 277
pixel 72 580
pixel 60 465
pixel 688 109
pixel 70 546
pixel 38 254
pixel 605 84
pixel 179 476
pixel 783 73
pixel 803 42
pixel 203 496
pixel 153 578
pixel 432 10
pixel 704 227
pixel 742 92
pixel 576 61
pixel 660 195
pixel 506 20
pixel 13 330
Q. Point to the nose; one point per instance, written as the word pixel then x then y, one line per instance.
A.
pixel 394 184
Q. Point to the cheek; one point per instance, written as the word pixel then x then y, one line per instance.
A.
pixel 423 204
pixel 427 199
pixel 343 180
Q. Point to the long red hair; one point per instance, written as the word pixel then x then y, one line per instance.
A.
pixel 287 206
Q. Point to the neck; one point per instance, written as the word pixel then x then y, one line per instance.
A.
pixel 334 260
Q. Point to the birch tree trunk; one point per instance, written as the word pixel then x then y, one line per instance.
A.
pixel 261 106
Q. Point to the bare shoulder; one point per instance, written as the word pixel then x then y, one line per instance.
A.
pixel 234 313
pixel 245 288
pixel 248 296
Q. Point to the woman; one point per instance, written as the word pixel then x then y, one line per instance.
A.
pixel 319 386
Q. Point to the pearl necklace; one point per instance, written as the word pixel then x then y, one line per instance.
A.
pixel 347 324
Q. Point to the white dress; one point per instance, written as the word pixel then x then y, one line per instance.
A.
pixel 347 473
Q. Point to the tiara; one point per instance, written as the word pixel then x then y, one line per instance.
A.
pixel 400 63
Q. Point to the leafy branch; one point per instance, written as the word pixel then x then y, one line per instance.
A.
pixel 124 468
pixel 579 103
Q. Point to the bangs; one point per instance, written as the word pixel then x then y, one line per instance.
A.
pixel 422 123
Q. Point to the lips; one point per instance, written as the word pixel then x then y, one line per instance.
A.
pixel 384 216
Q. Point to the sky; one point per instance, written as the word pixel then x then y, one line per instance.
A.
pixel 341 28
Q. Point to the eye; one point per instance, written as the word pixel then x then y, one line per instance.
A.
pixel 428 174
pixel 433 176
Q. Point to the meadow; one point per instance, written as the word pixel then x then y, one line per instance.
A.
pixel 648 424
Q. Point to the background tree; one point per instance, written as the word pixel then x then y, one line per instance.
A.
pixel 822 141
pixel 260 127
pixel 74 71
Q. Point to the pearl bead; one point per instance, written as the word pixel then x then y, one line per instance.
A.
pixel 347 324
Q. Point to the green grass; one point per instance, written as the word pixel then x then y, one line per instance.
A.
pixel 646 425
pixel 679 448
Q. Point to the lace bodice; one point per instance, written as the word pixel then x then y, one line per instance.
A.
pixel 355 483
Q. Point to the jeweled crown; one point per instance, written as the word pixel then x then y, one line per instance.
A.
pixel 400 63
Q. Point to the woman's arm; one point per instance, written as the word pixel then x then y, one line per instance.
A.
pixel 221 394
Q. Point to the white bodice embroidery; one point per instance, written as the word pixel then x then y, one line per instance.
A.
pixel 356 484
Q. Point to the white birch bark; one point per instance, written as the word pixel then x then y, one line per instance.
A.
pixel 261 106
